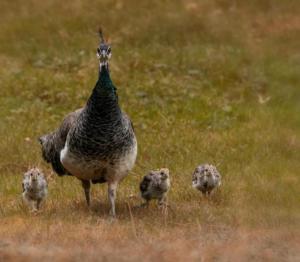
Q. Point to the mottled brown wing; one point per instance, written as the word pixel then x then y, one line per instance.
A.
pixel 145 183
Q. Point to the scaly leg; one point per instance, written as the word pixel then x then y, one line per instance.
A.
pixel 86 186
pixel 112 191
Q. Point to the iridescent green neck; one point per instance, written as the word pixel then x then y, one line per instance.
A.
pixel 104 90
pixel 104 76
pixel 104 99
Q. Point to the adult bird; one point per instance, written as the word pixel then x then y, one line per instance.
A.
pixel 97 142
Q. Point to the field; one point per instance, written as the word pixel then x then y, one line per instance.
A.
pixel 210 81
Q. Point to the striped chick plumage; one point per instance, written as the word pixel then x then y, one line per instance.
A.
pixel 206 178
pixel 34 187
pixel 155 185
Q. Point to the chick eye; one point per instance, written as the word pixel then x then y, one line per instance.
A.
pixel 108 50
pixel 98 50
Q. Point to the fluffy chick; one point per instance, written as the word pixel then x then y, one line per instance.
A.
pixel 206 178
pixel 155 185
pixel 34 188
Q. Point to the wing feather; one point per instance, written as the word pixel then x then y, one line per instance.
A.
pixel 54 142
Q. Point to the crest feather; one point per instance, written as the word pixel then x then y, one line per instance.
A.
pixel 100 31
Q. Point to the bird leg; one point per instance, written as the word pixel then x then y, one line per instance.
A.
pixel 162 201
pixel 33 206
pixel 86 186
pixel 208 195
pixel 145 204
pixel 112 191
pixel 38 203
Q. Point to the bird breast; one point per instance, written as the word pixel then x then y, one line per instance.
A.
pixel 91 169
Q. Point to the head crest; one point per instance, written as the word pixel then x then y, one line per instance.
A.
pixel 101 36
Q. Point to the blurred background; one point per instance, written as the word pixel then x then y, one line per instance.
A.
pixel 212 81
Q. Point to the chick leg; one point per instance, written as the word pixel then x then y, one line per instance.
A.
pixel 38 204
pixel 26 200
pixel 86 186
pixel 162 201
pixel 145 204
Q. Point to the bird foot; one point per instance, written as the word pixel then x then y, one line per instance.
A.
pixel 35 211
pixel 163 206
pixel 143 205
pixel 112 219
pixel 112 214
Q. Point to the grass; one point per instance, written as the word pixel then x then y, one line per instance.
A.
pixel 203 81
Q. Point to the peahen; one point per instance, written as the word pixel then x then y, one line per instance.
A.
pixel 97 142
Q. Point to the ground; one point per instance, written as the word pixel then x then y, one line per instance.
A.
pixel 211 81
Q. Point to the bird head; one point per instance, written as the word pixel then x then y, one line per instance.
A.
pixel 164 173
pixel 202 174
pixel 34 175
pixel 103 50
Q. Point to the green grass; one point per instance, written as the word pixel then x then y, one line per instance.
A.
pixel 195 78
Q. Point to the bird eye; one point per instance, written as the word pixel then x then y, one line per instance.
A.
pixel 30 174
pixel 108 50
pixel 98 50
